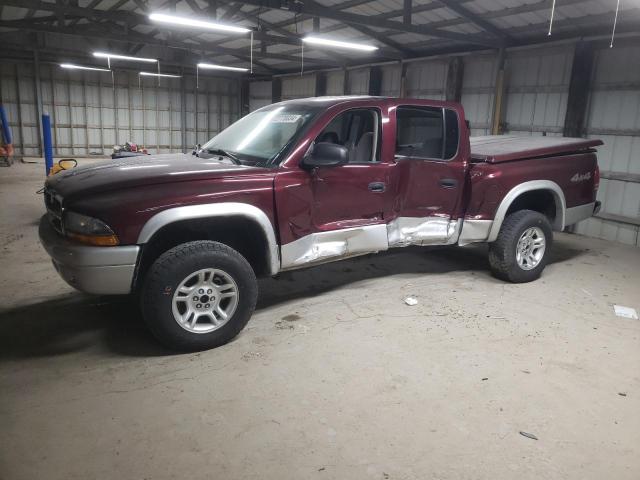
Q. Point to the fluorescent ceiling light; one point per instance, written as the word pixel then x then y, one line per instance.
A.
pixel 123 57
pixel 334 43
pixel 191 22
pixel 150 74
pixel 213 66
pixel 80 67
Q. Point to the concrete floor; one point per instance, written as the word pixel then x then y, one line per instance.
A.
pixel 334 377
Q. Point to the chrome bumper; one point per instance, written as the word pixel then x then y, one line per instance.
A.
pixel 100 270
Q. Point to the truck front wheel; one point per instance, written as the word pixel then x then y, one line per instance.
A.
pixel 198 295
pixel 521 250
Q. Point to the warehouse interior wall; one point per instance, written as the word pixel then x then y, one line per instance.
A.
pixel 90 113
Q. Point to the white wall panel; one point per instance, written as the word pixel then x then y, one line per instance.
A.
pixel 614 117
pixel 427 79
pixel 335 83
pixel 89 114
pixel 298 86
pixel 478 91
pixel 391 80
pixel 259 95
pixel 537 89
pixel 359 81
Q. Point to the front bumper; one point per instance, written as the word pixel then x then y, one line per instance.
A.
pixel 99 270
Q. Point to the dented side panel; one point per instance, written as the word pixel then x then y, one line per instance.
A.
pixel 333 245
pixel 405 231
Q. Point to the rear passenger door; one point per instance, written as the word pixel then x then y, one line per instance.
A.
pixel 431 171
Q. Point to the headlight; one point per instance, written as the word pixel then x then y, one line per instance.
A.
pixel 88 230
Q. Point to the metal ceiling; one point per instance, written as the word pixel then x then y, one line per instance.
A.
pixel 71 29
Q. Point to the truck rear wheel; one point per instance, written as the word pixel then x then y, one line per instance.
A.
pixel 521 250
pixel 198 295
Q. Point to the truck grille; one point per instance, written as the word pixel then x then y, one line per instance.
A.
pixel 53 203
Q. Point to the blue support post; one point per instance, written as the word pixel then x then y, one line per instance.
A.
pixel 46 142
pixel 6 130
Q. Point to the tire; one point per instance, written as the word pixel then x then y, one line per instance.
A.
pixel 210 272
pixel 503 253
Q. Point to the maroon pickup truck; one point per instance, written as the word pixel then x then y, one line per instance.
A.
pixel 304 182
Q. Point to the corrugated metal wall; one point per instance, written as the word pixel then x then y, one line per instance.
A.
pixel 300 86
pixel 427 79
pixel 89 114
pixel 614 116
pixel 478 91
pixel 391 80
pixel 335 83
pixel 259 95
pixel 359 81
pixel 537 90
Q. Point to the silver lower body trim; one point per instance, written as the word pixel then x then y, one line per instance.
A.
pixel 581 212
pixel 98 270
pixel 475 231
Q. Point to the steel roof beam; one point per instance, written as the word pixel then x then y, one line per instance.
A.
pixel 467 14
pixel 374 21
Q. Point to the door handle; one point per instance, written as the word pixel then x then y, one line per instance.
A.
pixel 377 187
pixel 448 183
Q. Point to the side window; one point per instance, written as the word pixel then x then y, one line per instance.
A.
pixel 357 130
pixel 426 132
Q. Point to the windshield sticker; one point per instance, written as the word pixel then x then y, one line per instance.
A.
pixel 286 119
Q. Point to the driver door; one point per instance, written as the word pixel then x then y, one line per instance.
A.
pixel 347 201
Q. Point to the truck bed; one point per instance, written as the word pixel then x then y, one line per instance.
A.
pixel 506 148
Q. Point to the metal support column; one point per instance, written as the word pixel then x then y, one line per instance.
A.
pixel 496 124
pixel 38 95
pixel 244 97
pixel 455 73
pixel 321 84
pixel 345 84
pixel 579 86
pixel 276 89
pixel 375 81
pixel 183 113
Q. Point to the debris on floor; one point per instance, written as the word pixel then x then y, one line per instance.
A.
pixel 411 300
pixel 284 325
pixel 529 435
pixel 622 394
pixel 251 355
pixel 626 312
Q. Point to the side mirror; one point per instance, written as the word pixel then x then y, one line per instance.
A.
pixel 326 154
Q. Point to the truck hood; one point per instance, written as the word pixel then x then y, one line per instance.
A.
pixel 144 170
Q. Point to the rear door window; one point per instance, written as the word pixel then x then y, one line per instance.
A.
pixel 426 132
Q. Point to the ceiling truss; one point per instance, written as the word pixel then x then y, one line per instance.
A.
pixel 125 27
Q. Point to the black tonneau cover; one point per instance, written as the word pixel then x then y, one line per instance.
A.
pixel 505 148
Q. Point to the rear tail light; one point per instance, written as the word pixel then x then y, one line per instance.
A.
pixel 596 178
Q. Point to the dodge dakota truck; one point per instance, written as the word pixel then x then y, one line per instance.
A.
pixel 303 182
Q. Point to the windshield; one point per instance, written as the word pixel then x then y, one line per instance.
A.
pixel 260 136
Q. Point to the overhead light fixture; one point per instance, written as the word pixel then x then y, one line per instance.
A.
pixel 123 57
pixel 73 66
pixel 191 22
pixel 325 42
pixel 213 66
pixel 150 74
